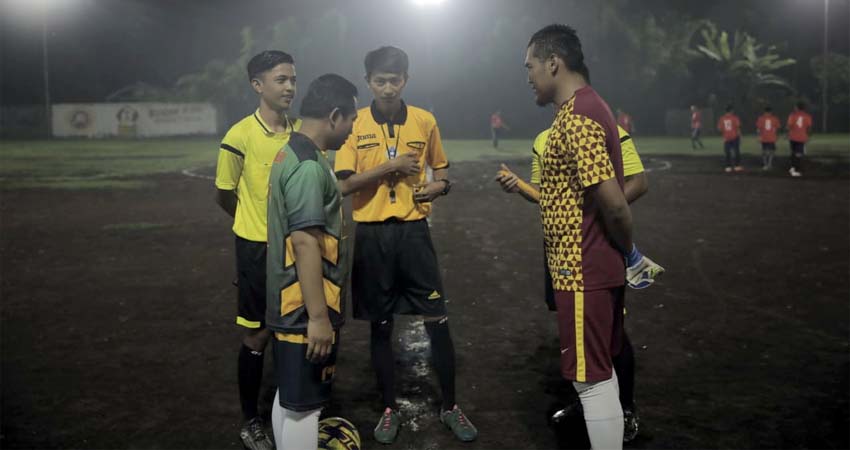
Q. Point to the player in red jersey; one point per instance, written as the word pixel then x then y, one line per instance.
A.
pixel 767 126
pixel 696 127
pixel 497 124
pixel 799 126
pixel 730 126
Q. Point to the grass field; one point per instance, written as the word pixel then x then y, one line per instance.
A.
pixel 89 164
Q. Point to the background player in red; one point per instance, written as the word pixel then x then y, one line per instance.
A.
pixel 799 125
pixel 767 126
pixel 497 124
pixel 624 120
pixel 696 127
pixel 729 125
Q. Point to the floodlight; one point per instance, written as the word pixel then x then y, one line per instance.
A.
pixel 427 3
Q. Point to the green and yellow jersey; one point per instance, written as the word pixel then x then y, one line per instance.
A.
pixel 302 194
pixel 632 164
pixel 374 141
pixel 244 163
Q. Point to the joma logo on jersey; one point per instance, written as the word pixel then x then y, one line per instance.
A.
pixel 363 137
pixel 418 145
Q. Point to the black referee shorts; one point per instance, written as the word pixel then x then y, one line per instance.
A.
pixel 395 271
pixel 251 280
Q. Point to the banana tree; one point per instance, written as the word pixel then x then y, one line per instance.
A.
pixel 746 68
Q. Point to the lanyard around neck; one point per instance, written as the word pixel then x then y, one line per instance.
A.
pixel 392 152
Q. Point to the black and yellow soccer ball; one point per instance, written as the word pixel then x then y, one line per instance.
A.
pixel 336 433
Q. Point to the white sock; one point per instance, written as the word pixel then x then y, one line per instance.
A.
pixel 295 430
pixel 277 419
pixel 603 415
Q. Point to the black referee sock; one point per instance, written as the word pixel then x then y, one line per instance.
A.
pixel 381 349
pixel 443 351
pixel 250 373
pixel 624 364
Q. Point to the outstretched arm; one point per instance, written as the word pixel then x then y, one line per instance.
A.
pixel 510 182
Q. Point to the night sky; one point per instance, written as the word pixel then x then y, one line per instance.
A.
pixel 99 46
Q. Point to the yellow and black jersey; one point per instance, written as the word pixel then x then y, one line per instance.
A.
pixel 582 151
pixel 244 162
pixel 632 164
pixel 374 141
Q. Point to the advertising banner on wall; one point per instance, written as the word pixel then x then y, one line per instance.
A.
pixel 131 120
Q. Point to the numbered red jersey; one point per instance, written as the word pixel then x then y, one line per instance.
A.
pixel 730 126
pixel 768 126
pixel 799 124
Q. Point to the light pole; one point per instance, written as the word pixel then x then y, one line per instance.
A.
pixel 824 104
pixel 48 113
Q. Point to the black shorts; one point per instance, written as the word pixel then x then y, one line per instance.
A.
pixel 251 279
pixel 734 144
pixel 302 385
pixel 798 148
pixel 395 271
pixel 768 146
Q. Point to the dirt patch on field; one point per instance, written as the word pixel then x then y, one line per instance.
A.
pixel 118 311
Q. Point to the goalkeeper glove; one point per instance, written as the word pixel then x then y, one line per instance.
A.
pixel 640 270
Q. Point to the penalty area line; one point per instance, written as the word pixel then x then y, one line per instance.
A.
pixel 665 165
pixel 191 173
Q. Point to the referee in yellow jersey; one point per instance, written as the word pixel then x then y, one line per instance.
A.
pixel 636 185
pixel 395 270
pixel 242 181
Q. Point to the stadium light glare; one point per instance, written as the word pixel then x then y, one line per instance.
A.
pixel 427 3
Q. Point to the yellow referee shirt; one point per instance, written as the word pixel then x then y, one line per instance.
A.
pixel 373 142
pixel 245 160
pixel 631 160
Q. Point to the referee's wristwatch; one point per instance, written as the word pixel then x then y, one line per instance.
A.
pixel 448 186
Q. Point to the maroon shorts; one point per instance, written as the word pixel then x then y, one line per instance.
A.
pixel 590 325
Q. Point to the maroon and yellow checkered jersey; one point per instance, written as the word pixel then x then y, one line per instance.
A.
pixel 583 150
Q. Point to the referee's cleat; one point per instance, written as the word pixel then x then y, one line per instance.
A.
pixel 794 173
pixel 387 428
pixel 727 170
pixel 631 424
pixel 460 425
pixel 254 437
pixel 739 168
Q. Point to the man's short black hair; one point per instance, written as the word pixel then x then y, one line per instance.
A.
pixel 326 93
pixel 267 60
pixel 768 108
pixel 801 106
pixel 730 108
pixel 386 59
pixel 563 42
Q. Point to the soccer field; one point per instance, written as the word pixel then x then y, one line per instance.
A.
pixel 86 164
pixel 118 308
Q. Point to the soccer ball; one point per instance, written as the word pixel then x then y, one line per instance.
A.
pixel 336 433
